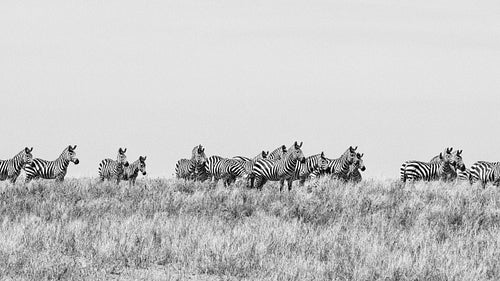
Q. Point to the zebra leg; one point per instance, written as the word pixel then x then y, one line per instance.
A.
pixel 259 182
pixel 282 183
pixel 302 181
pixel 290 181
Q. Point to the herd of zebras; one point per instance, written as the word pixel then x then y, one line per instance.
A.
pixel 37 168
pixel 282 164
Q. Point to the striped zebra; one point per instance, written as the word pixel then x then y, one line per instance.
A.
pixel 57 169
pixel 303 170
pixel 417 170
pixel 113 169
pixel 463 175
pixel 194 168
pixel 11 168
pixel 354 175
pixel 485 172
pixel 452 174
pixel 277 153
pixel 277 170
pixel 248 163
pixel 223 168
pixel 338 168
pixel 132 171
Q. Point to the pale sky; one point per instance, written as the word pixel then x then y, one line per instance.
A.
pixel 401 80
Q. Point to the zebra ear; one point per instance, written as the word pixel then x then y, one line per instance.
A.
pixel 120 150
pixel 124 150
pixel 361 155
pixel 300 144
pixel 441 155
pixel 322 154
pixel 74 147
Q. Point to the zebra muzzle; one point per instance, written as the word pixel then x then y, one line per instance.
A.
pixel 143 173
pixel 76 161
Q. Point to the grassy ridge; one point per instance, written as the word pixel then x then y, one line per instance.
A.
pixel 169 229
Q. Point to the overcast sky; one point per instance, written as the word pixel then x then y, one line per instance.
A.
pixel 400 79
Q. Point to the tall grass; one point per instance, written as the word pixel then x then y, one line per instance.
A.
pixel 167 229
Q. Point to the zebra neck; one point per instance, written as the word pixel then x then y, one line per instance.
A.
pixel 18 162
pixel 62 162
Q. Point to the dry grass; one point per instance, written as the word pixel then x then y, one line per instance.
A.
pixel 171 230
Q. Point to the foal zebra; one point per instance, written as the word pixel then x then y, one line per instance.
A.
pixel 354 175
pixel 56 169
pixel 485 172
pixel 223 168
pixel 277 170
pixel 11 168
pixel 303 170
pixel 132 171
pixel 194 168
pixel 113 169
pixel 417 170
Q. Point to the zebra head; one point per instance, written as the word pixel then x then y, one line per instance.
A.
pixel 27 156
pixel 350 154
pixel 71 155
pixel 359 161
pixel 295 152
pixel 121 158
pixel 200 156
pixel 142 165
pixel 322 162
pixel 457 160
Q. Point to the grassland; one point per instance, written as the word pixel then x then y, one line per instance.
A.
pixel 171 230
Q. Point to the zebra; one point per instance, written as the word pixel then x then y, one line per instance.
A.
pixel 248 163
pixel 452 174
pixel 463 175
pixel 417 170
pixel 57 169
pixel 194 168
pixel 132 171
pixel 354 175
pixel 113 169
pixel 303 170
pixel 338 168
pixel 277 170
pixel 485 172
pixel 277 153
pixel 223 168
pixel 11 168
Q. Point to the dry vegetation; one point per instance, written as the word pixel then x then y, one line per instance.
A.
pixel 172 230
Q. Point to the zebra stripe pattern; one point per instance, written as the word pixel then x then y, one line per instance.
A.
pixel 277 170
pixel 417 170
pixel 223 168
pixel 194 168
pixel 132 171
pixel 57 169
pixel 485 172
pixel 457 163
pixel 303 170
pixel 277 153
pixel 354 175
pixel 11 168
pixel 113 169
pixel 339 168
